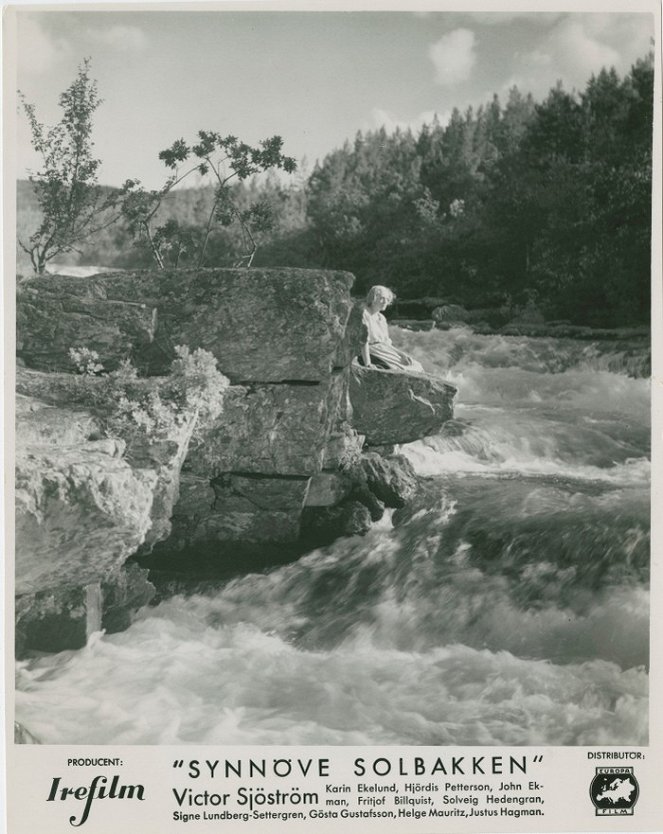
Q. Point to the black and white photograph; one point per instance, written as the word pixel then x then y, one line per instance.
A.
pixel 332 378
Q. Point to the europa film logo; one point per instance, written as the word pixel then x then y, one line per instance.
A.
pixel 614 791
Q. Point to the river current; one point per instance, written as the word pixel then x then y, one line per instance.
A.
pixel 507 605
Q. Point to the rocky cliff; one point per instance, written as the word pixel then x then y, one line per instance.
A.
pixel 82 509
pixel 282 464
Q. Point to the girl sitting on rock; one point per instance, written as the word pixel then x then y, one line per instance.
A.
pixel 378 351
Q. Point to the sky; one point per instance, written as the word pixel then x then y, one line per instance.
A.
pixel 315 78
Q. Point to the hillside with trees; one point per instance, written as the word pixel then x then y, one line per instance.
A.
pixel 514 202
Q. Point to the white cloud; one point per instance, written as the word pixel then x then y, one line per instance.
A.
pixel 453 57
pixel 629 34
pixel 572 45
pixel 579 45
pixel 121 38
pixel 38 50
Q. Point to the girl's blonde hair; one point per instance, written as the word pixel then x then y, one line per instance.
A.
pixel 378 291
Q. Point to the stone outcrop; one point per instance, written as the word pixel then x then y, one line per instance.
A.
pixel 52 318
pixel 237 508
pixel 81 509
pixel 449 313
pixel 390 407
pixel 65 617
pixel 392 479
pixel 283 337
pixel 271 429
pixel 281 467
pixel 261 325
pixel 257 459
pixel 347 502
pixel 321 526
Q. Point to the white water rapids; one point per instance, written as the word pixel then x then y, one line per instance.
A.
pixel 508 605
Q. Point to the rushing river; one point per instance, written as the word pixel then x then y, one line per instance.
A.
pixel 508 605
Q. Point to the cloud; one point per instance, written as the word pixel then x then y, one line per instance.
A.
pixel 453 57
pixel 572 45
pixel 121 38
pixel 579 45
pixel 628 34
pixel 38 50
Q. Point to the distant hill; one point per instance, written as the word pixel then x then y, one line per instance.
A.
pixel 115 247
pixel 28 217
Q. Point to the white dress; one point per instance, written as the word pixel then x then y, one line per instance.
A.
pixel 380 347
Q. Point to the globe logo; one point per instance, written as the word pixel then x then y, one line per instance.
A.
pixel 614 791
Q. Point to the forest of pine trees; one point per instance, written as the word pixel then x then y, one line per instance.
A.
pixel 516 202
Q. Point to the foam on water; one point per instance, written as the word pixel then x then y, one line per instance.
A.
pixel 508 604
pixel 534 406
pixel 490 442
pixel 444 349
pixel 173 679
pixel 361 643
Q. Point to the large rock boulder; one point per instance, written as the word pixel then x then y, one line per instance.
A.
pixel 279 466
pixel 322 525
pixel 55 314
pixel 328 489
pixel 81 510
pixel 390 406
pixel 254 509
pixel 346 502
pixel 449 314
pixel 257 459
pixel 236 508
pixel 391 479
pixel 270 429
pixel 284 337
pixel 80 507
pixel 66 617
pixel 262 325
pixel 64 460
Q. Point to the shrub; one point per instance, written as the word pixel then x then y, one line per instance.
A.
pixel 146 411
pixel 86 361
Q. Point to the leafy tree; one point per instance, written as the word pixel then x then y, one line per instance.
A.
pixel 73 207
pixel 512 201
pixel 570 201
pixel 366 205
pixel 222 159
